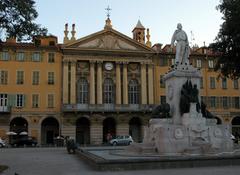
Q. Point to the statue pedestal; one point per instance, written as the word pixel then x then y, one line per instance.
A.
pixel 189 133
pixel 174 81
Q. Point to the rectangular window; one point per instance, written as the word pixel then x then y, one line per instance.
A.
pixel 19 100
pixel 201 82
pixel 212 102
pixel 235 84
pixel 162 83
pixel 224 83
pixel 236 102
pixel 36 57
pixel 212 83
pixel 5 56
pixel 3 99
pixel 50 77
pixel 51 57
pixel 35 100
pixel 225 102
pixel 50 100
pixel 162 99
pixel 199 63
pixel 20 77
pixel 20 56
pixel 35 78
pixel 210 64
pixel 3 77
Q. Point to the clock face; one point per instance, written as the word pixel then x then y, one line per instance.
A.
pixel 108 66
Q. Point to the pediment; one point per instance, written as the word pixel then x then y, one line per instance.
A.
pixel 108 40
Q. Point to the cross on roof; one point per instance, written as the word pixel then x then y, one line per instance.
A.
pixel 108 11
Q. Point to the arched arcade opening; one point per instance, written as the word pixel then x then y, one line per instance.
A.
pixel 236 126
pixel 19 125
pixel 49 130
pixel 109 127
pixel 83 131
pixel 135 129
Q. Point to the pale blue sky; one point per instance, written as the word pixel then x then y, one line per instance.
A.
pixel 160 16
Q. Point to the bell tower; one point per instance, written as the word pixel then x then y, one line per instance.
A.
pixel 139 33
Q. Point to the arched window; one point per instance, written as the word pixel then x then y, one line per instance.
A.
pixel 82 91
pixel 108 93
pixel 133 92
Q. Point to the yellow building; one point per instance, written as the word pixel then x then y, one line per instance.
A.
pixel 30 88
pixel 107 84
pixel 104 83
pixel 221 95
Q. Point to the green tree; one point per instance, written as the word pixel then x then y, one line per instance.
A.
pixel 17 19
pixel 227 42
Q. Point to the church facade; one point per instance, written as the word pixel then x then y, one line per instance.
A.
pixel 107 85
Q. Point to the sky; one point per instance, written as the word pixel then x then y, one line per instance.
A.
pixel 199 18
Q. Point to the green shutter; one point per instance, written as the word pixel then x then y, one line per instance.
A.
pixel 41 56
pixel 24 100
pixel 12 100
pixel 0 55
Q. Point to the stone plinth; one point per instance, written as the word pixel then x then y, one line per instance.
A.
pixel 174 81
pixel 187 132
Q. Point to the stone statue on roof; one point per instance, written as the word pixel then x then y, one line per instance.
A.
pixel 182 45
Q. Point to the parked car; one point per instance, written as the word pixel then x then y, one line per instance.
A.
pixel 2 143
pixel 121 140
pixel 24 141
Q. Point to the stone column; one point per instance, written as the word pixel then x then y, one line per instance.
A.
pixel 118 84
pixel 99 82
pixel 125 83
pixel 143 84
pixel 150 84
pixel 65 82
pixel 92 82
pixel 73 83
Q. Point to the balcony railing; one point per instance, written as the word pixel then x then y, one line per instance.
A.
pixel 106 108
pixel 5 109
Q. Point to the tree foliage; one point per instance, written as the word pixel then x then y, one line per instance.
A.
pixel 227 42
pixel 17 19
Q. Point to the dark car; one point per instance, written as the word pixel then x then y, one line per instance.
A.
pixel 25 141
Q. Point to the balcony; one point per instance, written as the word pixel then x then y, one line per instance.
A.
pixel 5 109
pixel 106 108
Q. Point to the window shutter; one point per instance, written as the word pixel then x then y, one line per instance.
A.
pixel 24 100
pixel 41 56
pixel 12 100
pixel 220 102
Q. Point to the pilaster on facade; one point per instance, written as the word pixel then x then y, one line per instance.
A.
pixel 125 83
pixel 143 84
pixel 99 82
pixel 92 82
pixel 118 84
pixel 65 82
pixel 150 84
pixel 73 82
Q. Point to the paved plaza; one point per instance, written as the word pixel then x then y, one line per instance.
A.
pixel 51 161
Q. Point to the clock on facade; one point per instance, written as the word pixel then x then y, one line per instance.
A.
pixel 108 66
